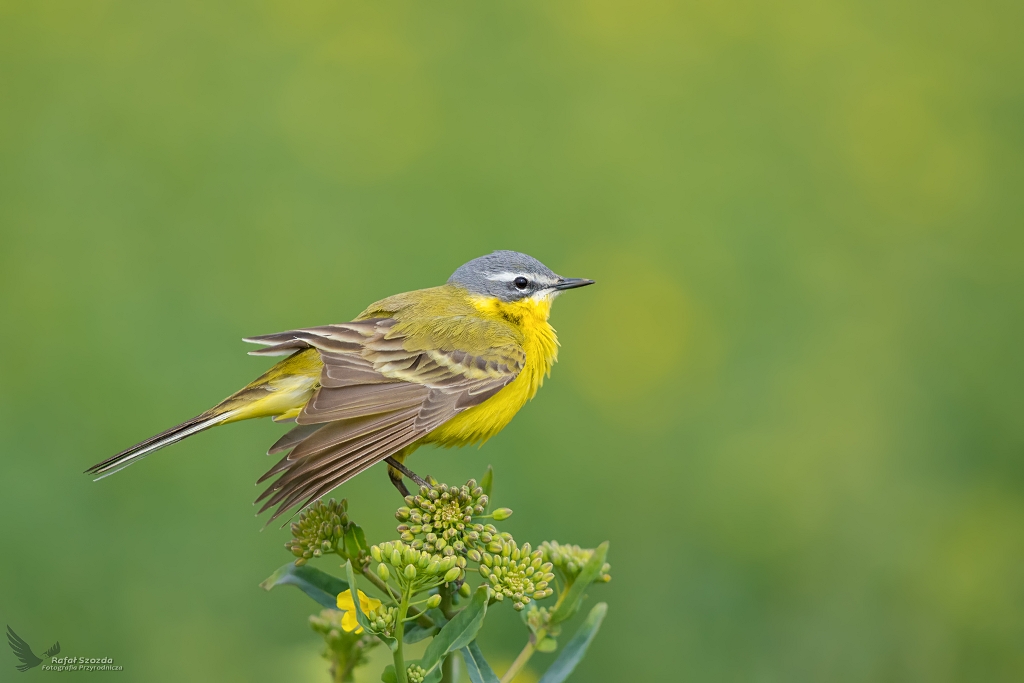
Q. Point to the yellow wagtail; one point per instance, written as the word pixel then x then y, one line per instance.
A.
pixel 448 365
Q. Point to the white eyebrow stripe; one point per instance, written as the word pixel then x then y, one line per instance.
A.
pixel 503 276
pixel 507 276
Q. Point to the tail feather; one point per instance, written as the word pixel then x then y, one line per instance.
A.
pixel 155 443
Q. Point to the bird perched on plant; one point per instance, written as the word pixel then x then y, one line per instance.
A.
pixel 448 365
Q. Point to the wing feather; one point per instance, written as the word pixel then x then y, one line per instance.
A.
pixel 385 384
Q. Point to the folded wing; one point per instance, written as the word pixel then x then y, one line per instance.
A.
pixel 381 389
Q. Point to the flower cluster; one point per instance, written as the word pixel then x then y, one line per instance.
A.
pixel 517 573
pixel 330 624
pixel 345 649
pixel 319 531
pixel 416 673
pixel 538 618
pixel 447 534
pixel 569 560
pixel 416 569
pixel 441 519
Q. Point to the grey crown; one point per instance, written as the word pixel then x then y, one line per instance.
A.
pixel 495 275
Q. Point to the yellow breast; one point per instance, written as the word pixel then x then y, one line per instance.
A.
pixel 541 345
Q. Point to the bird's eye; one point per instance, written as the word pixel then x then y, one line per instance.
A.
pixel 521 283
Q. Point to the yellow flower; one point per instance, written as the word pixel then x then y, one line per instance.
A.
pixel 345 604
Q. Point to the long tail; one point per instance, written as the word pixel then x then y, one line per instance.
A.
pixel 155 443
pixel 280 392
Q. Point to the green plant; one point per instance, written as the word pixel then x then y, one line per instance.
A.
pixel 424 579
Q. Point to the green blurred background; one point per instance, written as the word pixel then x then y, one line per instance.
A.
pixel 792 402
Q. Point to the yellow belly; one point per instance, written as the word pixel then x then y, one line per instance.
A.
pixel 485 420
pixel 481 422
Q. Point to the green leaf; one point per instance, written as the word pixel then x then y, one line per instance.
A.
pixel 459 632
pixel 437 616
pixel 476 666
pixel 355 541
pixel 487 483
pixel 360 617
pixel 321 586
pixel 573 598
pixel 388 675
pixel 577 647
pixel 414 633
pixel 547 645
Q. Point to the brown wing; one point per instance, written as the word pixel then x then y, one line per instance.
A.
pixel 379 392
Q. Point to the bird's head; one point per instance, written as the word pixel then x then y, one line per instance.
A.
pixel 512 276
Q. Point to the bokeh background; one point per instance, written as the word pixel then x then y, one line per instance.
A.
pixel 792 401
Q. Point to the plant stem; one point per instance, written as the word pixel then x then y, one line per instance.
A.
pixel 449 674
pixel 421 618
pixel 446 602
pixel 524 656
pixel 403 608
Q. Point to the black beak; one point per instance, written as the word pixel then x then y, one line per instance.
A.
pixel 572 283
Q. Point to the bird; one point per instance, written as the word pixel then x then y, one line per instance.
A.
pixel 448 365
pixel 23 652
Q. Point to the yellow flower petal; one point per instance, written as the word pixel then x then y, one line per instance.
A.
pixel 350 623
pixel 367 604
pixel 345 601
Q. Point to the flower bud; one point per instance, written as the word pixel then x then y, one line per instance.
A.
pixel 433 601
pixel 501 514
pixel 464 590
pixel 396 558
pixel 410 572
pixel 383 572
pixel 452 574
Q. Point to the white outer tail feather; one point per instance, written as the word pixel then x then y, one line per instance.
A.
pixel 132 458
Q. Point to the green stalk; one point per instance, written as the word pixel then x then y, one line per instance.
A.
pixel 421 618
pixel 403 608
pixel 524 656
pixel 448 672
pixel 446 606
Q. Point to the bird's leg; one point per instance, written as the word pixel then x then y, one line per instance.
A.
pixel 396 478
pixel 395 471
